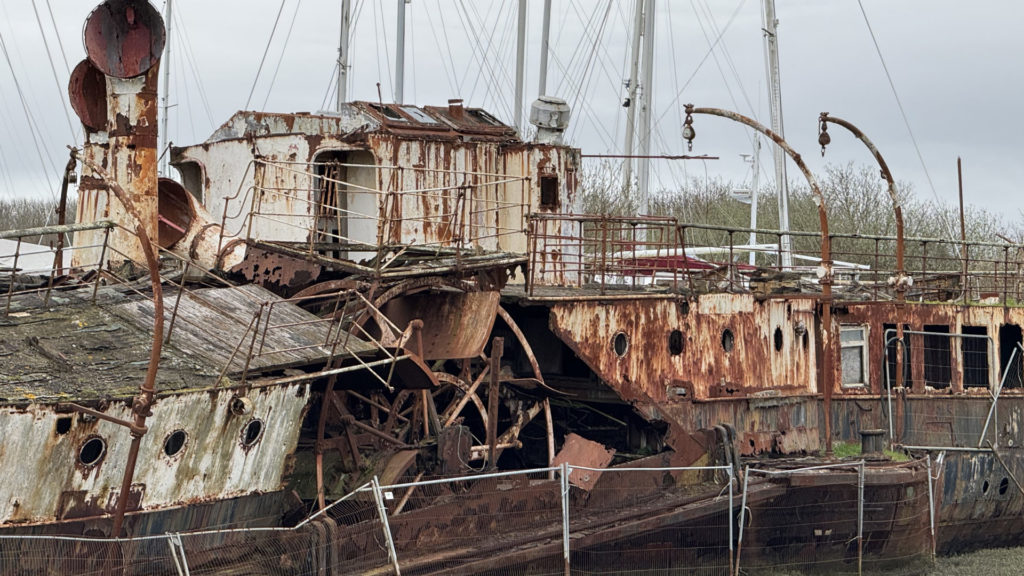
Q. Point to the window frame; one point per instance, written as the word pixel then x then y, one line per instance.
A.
pixel 861 343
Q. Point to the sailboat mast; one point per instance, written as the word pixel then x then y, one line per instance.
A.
pixel 631 104
pixel 400 55
pixel 646 93
pixel 775 96
pixel 545 47
pixel 346 23
pixel 165 163
pixel 520 65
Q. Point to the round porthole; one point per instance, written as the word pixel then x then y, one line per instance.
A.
pixel 252 432
pixel 728 340
pixel 175 442
pixel 620 343
pixel 92 451
pixel 984 487
pixel 778 339
pixel 675 343
pixel 1003 485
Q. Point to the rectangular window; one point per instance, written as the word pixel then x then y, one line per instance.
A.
pixel 853 341
pixel 938 369
pixel 549 192
pixel 975 354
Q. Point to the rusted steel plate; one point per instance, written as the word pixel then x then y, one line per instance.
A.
pixel 176 213
pixel 578 451
pixel 87 91
pixel 455 324
pixel 124 38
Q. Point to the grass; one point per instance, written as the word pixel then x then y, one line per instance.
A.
pixel 850 449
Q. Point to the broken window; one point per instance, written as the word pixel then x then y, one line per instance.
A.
pixel 938 369
pixel 389 112
pixel 549 191
pixel 854 343
pixel 974 347
pixel 891 344
pixel 1009 341
pixel 192 178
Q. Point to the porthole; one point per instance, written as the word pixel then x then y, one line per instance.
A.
pixel 175 442
pixel 728 340
pixel 252 432
pixel 92 451
pixel 806 339
pixel 1004 484
pixel 675 343
pixel 984 487
pixel 778 339
pixel 620 343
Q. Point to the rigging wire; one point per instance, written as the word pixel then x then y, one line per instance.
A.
pixel 284 50
pixel 437 43
pixel 186 41
pixel 899 103
pixel 482 61
pixel 56 80
pixel 263 60
pixel 60 43
pixel 447 42
pixel 33 128
pixel 597 39
pixel 700 64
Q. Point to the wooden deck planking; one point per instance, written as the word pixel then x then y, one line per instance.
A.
pixel 211 323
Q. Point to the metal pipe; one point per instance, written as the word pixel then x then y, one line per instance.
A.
pixel 826 252
pixel 860 519
pixel 162 153
pixel 383 512
pixel 931 504
pixel 995 399
pixel 147 391
pixel 643 171
pixel 901 280
pixel 770 28
pixel 565 516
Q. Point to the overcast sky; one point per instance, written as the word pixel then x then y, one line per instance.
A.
pixel 956 66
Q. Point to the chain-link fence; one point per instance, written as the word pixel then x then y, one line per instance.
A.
pixel 566 520
pixel 838 519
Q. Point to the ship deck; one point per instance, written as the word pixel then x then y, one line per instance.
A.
pixel 70 348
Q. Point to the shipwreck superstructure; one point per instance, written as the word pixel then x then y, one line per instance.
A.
pixel 386 293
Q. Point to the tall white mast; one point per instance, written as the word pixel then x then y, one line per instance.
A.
pixel 165 164
pixel 545 41
pixel 775 95
pixel 520 65
pixel 753 195
pixel 400 55
pixel 634 65
pixel 644 162
pixel 346 23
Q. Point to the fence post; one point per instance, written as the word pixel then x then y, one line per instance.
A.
pixel 383 512
pixel 860 519
pixel 729 514
pixel 565 516
pixel 178 553
pixel 931 505
pixel 743 510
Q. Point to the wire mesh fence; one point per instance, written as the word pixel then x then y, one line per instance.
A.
pixel 567 520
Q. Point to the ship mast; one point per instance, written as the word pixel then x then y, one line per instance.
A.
pixel 346 22
pixel 775 95
pixel 400 55
pixel 545 48
pixel 520 65
pixel 644 162
pixel 631 86
pixel 166 63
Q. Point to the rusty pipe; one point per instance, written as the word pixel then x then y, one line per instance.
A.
pixel 826 249
pixel 147 391
pixel 901 281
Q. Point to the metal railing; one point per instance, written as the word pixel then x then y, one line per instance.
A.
pixel 312 209
pixel 610 252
